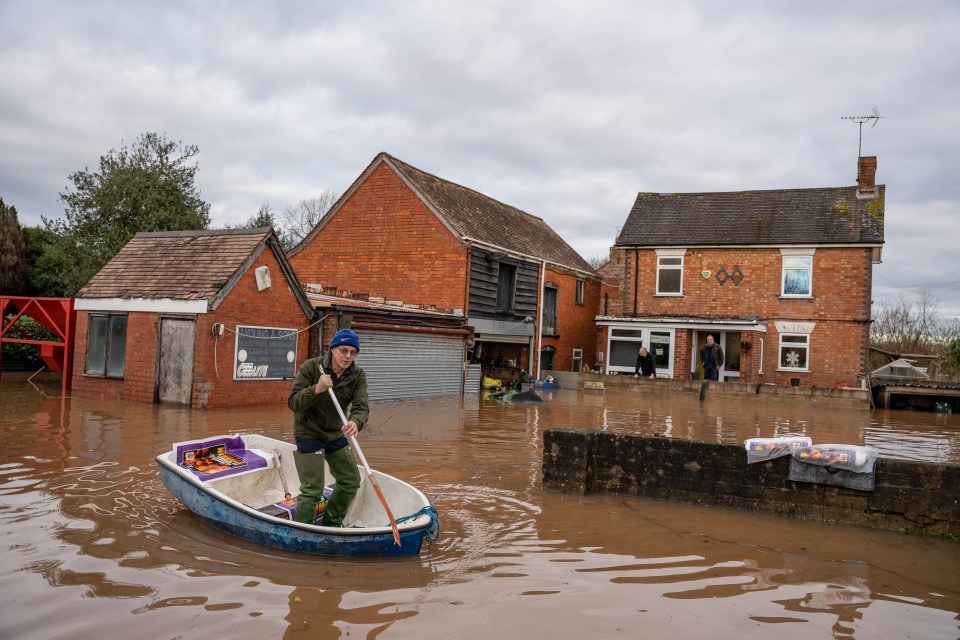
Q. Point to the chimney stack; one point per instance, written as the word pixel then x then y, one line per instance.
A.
pixel 867 177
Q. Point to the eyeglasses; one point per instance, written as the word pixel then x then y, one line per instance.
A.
pixel 346 351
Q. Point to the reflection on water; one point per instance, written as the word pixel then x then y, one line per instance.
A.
pixel 87 524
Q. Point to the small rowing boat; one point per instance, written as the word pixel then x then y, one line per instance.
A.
pixel 243 485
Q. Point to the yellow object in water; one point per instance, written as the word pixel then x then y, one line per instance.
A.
pixel 490 383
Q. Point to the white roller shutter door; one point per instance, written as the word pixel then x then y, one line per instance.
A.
pixel 410 365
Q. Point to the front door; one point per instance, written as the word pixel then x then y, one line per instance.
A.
pixel 546 358
pixel 175 360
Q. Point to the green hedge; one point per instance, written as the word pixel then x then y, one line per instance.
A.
pixel 27 353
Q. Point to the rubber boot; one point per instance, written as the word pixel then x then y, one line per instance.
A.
pixel 344 470
pixel 310 469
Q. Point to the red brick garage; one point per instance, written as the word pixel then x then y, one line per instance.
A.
pixel 197 318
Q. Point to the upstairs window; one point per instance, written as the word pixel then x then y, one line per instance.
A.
pixel 549 320
pixel 797 273
pixel 506 285
pixel 580 285
pixel 670 272
pixel 106 345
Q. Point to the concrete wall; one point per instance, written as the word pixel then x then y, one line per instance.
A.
pixel 820 395
pixel 565 379
pixel 921 496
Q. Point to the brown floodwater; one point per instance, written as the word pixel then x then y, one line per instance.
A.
pixel 95 547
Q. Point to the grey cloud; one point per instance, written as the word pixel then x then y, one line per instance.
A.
pixel 564 110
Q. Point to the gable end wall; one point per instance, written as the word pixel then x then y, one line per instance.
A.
pixel 385 241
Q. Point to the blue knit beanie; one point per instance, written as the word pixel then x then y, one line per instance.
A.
pixel 345 337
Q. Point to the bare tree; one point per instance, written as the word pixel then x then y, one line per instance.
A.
pixel 598 261
pixel 915 327
pixel 905 326
pixel 297 221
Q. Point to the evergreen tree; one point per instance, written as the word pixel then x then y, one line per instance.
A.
pixel 44 264
pixel 263 218
pixel 13 268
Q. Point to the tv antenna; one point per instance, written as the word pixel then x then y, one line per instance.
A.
pixel 860 120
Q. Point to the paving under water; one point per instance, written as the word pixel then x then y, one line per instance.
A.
pixel 95 547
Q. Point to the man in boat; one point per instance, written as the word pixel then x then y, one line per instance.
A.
pixel 319 431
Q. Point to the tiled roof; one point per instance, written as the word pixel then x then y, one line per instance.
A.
pixel 490 221
pixel 784 216
pixel 178 265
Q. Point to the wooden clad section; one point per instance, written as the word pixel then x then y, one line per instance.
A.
pixel 484 278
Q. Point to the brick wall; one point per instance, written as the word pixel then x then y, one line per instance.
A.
pixel 840 279
pixel 612 275
pixel 840 305
pixel 385 241
pixel 575 326
pixel 275 306
pixel 906 493
pixel 138 383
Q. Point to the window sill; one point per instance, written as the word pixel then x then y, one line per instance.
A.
pixel 668 295
pixel 783 297
pixel 793 370
pixel 101 376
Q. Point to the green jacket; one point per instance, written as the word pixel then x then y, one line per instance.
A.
pixel 314 415
pixel 717 355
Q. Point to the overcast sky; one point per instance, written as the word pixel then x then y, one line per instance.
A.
pixel 563 109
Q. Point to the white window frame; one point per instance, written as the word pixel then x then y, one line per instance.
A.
pixel 670 254
pixel 794 254
pixel 579 293
pixel 640 340
pixel 577 363
pixel 793 346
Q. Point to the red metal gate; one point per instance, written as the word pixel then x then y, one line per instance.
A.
pixel 54 314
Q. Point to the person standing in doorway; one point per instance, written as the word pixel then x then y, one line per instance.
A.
pixel 319 431
pixel 645 366
pixel 711 357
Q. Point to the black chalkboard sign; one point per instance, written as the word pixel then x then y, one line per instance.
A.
pixel 265 353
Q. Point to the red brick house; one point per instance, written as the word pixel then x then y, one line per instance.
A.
pixel 197 318
pixel 419 239
pixel 782 279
